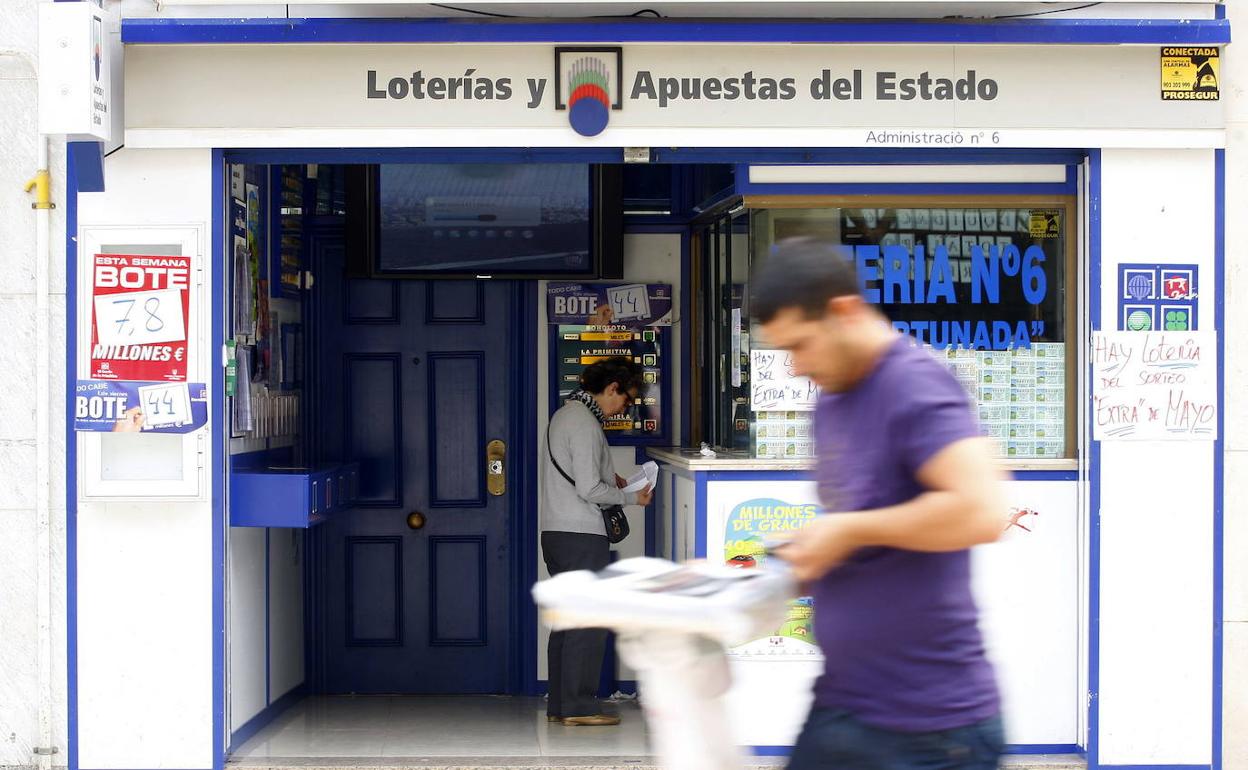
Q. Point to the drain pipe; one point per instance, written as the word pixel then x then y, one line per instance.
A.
pixel 41 184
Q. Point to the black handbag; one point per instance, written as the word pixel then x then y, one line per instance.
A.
pixel 613 518
pixel 615 521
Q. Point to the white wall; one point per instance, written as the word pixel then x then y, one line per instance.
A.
pixel 724 8
pixel 245 562
pixel 1156 509
pixel 265 644
pixel 286 631
pixel 1235 470
pixel 145 570
pixel 20 691
pixel 1027 586
pixel 654 258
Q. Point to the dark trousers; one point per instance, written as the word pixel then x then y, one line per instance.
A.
pixel 574 658
pixel 835 739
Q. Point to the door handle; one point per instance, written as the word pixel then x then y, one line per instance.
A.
pixel 496 468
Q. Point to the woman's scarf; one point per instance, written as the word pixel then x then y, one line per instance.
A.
pixel 588 400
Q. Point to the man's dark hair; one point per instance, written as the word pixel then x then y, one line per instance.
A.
pixel 802 273
pixel 625 372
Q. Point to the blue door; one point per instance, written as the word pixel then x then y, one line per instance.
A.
pixel 414 380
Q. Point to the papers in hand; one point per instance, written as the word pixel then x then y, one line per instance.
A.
pixel 639 594
pixel 647 476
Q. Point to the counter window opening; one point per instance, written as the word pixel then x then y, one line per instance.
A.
pixel 984 282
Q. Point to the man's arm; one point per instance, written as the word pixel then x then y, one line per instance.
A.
pixel 963 506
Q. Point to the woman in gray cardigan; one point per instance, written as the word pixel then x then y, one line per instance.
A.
pixel 573 535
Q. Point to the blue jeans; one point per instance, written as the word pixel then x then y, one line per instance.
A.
pixel 834 740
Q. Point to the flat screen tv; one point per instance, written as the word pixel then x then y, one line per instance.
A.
pixel 497 220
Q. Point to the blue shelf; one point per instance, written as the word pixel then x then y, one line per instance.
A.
pixel 291 497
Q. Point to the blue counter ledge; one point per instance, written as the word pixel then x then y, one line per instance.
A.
pixel 291 497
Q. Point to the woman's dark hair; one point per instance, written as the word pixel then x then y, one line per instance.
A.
pixel 625 372
pixel 802 273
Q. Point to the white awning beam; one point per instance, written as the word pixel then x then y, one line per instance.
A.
pixel 730 7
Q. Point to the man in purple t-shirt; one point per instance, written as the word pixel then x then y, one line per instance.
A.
pixel 910 485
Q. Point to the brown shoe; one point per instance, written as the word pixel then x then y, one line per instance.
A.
pixel 593 720
pixel 553 718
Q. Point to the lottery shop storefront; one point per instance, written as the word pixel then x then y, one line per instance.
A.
pixel 1028 243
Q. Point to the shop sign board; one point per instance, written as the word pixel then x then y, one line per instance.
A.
pixel 1159 385
pixel 103 406
pixel 140 306
pixel 75 79
pixel 948 96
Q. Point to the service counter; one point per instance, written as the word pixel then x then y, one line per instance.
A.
pixel 1027 585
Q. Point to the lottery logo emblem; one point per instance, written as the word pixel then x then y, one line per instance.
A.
pixel 1158 297
pixel 1176 287
pixel 1139 320
pixel 589 107
pixel 1140 286
pixel 97 44
pixel 588 86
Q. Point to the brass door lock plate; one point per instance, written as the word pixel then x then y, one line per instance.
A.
pixel 496 468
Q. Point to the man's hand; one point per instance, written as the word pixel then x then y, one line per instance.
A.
pixel 645 496
pixel 130 422
pixel 620 481
pixel 821 546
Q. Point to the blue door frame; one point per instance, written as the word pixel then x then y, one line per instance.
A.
pixel 525 568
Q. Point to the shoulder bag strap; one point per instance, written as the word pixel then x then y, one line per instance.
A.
pixel 551 452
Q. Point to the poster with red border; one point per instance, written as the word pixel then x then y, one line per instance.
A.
pixel 140 308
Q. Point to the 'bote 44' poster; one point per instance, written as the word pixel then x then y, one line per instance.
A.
pixel 139 312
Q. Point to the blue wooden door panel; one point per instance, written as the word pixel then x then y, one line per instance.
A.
pixel 374 617
pixel 457 582
pixel 457 413
pixel 414 381
pixel 372 302
pixel 372 414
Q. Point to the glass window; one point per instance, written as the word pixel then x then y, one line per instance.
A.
pixel 983 283
pixel 725 253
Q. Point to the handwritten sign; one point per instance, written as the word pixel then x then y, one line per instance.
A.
pixel 1150 386
pixel 774 387
pixel 629 302
pixel 165 405
pixel 140 317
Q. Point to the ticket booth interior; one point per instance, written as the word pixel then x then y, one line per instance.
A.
pixel 384 395
pixel 394 358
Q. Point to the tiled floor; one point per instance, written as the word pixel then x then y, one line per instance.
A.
pixel 388 727
pixel 472 733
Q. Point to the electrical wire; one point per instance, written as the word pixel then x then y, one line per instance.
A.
pixel 636 14
pixel 471 10
pixel 1044 13
pixel 648 13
